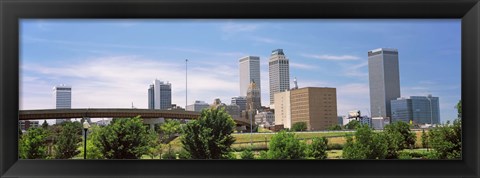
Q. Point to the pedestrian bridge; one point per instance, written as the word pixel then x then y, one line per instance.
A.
pixel 43 114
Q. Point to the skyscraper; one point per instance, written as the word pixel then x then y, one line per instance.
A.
pixel 63 98
pixel 253 97
pixel 384 79
pixel 279 73
pixel 151 97
pixel 241 101
pixel 162 95
pixel 249 70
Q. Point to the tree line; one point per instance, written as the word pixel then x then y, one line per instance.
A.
pixel 210 137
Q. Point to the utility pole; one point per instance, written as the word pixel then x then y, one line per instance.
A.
pixel 186 86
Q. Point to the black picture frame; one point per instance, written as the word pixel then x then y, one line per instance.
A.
pixel 13 10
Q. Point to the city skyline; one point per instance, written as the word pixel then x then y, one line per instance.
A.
pixel 94 57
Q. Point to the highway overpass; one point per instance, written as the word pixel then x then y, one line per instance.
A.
pixel 44 114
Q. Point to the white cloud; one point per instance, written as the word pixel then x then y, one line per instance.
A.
pixel 302 66
pixel 332 57
pixel 356 70
pixel 116 82
pixel 354 96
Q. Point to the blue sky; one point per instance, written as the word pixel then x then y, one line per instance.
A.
pixel 110 63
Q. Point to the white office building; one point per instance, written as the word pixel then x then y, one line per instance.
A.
pixel 63 98
pixel 279 74
pixel 249 70
pixel 162 95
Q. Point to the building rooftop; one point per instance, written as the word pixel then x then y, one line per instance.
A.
pixel 249 57
pixel 278 52
pixel 384 49
pixel 62 86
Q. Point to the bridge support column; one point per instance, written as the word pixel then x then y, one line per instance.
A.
pixel 153 121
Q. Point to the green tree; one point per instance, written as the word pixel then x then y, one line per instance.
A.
pixel 335 127
pixel 45 124
pixel 285 145
pixel 299 126
pixel 367 145
pixel 408 137
pixel 446 140
pixel 352 125
pixel 124 138
pixel 169 128
pixel 170 154
pixel 247 154
pixel 424 139
pixel 318 148
pixel 93 143
pixel 459 109
pixel 68 141
pixel 33 144
pixel 154 146
pixel 209 137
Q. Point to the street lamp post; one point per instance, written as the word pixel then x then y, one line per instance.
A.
pixel 85 128
pixel 251 129
pixel 186 86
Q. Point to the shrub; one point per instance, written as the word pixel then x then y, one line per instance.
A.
pixel 299 126
pixel 285 145
pixel 247 154
pixel 125 138
pixel 318 148
pixel 404 155
pixel 367 145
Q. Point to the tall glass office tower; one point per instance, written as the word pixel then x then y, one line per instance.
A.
pixel 279 73
pixel 249 70
pixel 151 97
pixel 384 79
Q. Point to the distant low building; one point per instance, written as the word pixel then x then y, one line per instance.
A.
pixel 378 123
pixel 365 120
pixel 25 125
pixel 176 107
pixel 265 119
pixel 103 122
pixel 233 110
pixel 198 106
